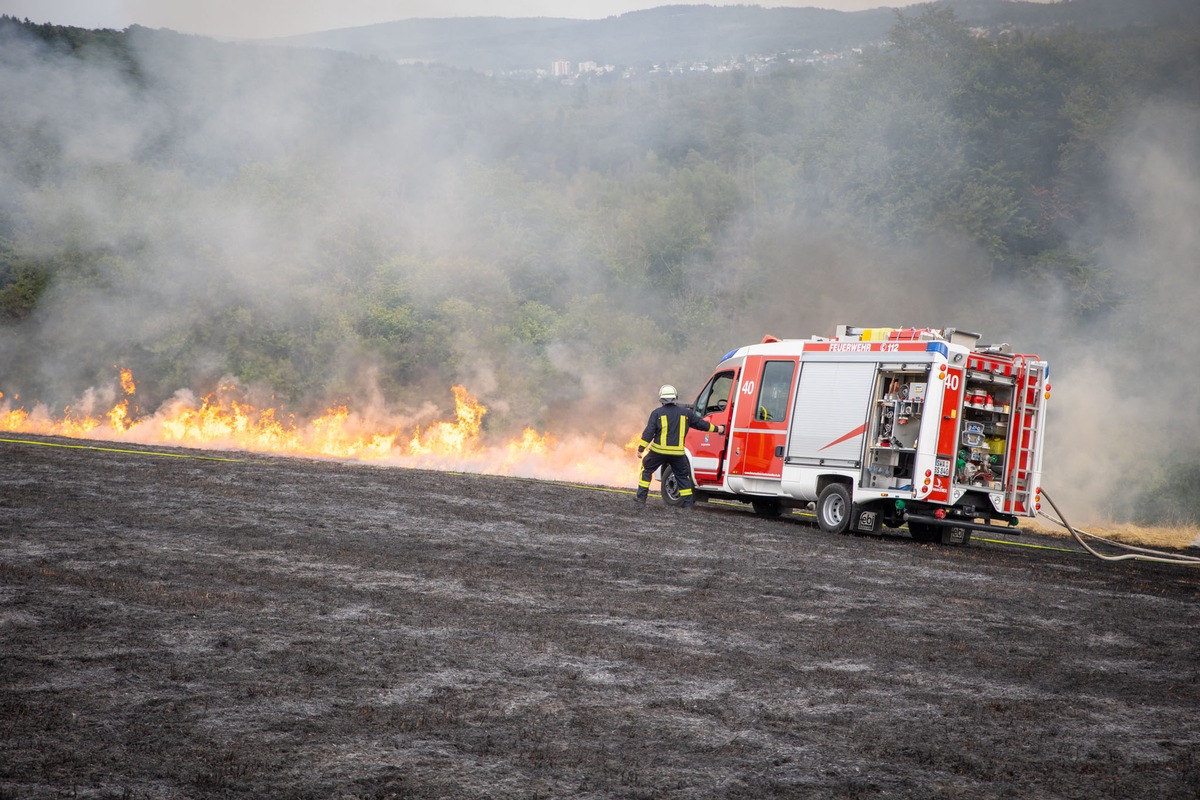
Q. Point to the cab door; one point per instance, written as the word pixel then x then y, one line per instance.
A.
pixel 714 404
pixel 759 430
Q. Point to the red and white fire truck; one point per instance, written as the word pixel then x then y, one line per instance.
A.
pixel 876 427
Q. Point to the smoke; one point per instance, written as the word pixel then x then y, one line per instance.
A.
pixel 1124 396
pixel 197 185
pixel 199 205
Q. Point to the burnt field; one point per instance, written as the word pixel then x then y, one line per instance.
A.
pixel 177 628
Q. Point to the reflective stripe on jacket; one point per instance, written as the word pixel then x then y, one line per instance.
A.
pixel 668 427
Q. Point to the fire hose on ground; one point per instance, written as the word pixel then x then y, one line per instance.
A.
pixel 1132 552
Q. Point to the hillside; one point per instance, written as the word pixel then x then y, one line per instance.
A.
pixel 303 230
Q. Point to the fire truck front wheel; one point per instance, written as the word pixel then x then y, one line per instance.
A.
pixel 670 488
pixel 833 509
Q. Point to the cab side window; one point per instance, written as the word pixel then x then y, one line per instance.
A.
pixel 773 392
pixel 715 396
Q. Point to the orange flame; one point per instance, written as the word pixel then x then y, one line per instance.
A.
pixel 127 384
pixel 223 419
pixel 118 416
pixel 451 438
pixel 14 420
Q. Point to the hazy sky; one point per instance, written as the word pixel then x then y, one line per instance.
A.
pixel 263 18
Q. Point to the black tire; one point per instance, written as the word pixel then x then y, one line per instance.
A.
pixel 833 509
pixel 670 488
pixel 923 532
pixel 767 507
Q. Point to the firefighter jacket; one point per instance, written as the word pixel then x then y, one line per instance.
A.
pixel 667 428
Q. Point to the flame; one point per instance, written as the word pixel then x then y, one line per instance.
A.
pixel 225 420
pixel 127 384
pixel 451 438
pixel 14 420
pixel 118 416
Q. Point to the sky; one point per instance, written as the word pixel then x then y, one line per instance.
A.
pixel 253 19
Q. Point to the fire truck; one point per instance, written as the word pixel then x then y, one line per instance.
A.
pixel 873 428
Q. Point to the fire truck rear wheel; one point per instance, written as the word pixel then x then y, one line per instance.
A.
pixel 922 531
pixel 833 509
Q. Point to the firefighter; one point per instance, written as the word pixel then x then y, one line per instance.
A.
pixel 664 435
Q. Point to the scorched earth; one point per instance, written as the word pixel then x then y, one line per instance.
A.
pixel 175 627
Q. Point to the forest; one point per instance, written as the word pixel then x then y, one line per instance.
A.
pixel 327 226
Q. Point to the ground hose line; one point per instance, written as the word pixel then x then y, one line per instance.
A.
pixel 119 450
pixel 1134 553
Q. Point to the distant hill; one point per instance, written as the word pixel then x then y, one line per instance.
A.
pixel 685 33
pixel 669 34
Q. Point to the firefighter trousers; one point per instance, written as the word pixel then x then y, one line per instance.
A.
pixel 679 466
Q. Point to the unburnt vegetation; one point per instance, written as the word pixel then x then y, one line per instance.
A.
pixel 182 627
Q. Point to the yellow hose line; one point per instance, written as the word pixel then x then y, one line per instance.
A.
pixel 117 450
pixel 1025 544
pixel 564 484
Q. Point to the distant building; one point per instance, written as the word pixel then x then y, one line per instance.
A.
pixel 587 66
pixel 561 69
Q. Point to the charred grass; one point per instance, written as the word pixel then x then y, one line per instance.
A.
pixel 279 628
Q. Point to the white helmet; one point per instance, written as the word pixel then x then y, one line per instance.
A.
pixel 667 393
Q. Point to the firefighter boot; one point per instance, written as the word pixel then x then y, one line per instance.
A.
pixel 687 500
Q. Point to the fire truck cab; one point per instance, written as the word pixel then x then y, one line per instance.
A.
pixel 876 427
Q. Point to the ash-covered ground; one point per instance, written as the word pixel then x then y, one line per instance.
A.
pixel 184 628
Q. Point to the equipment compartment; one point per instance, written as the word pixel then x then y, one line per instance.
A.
pixel 894 426
pixel 983 442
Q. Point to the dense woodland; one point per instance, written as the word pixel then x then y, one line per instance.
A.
pixel 332 227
